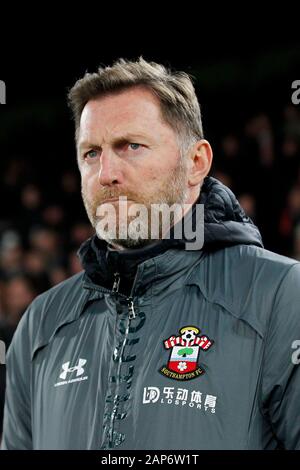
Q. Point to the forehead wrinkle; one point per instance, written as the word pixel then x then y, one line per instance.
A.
pixel 101 124
pixel 114 139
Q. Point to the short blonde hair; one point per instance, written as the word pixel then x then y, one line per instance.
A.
pixel 178 101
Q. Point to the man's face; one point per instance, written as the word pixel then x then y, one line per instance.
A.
pixel 126 149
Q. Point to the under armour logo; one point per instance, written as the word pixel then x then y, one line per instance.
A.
pixel 67 369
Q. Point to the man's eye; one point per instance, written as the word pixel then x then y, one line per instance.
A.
pixel 91 154
pixel 134 146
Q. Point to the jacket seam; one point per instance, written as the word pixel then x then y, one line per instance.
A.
pixel 48 340
pixel 222 304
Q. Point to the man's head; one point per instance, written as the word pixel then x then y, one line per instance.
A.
pixel 138 134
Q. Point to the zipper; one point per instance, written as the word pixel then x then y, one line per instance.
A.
pixel 131 311
pixel 116 284
pixel 115 288
pixel 131 315
pixel 130 303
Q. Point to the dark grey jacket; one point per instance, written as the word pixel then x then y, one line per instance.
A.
pixel 200 356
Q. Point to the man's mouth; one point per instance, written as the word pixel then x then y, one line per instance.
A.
pixel 116 199
pixel 110 200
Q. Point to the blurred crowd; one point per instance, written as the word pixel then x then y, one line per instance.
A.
pixel 39 239
pixel 42 225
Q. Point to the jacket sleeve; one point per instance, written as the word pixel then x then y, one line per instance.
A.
pixel 280 397
pixel 17 410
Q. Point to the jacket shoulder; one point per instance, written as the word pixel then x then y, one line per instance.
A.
pixel 246 279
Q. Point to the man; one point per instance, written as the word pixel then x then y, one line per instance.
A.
pixel 153 345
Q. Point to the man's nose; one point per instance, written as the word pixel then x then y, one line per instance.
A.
pixel 109 172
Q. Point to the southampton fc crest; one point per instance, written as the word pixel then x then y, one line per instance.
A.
pixel 184 353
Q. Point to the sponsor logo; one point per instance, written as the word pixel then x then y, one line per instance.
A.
pixel 180 397
pixel 73 374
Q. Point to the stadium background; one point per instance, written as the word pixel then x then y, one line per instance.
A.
pixel 248 116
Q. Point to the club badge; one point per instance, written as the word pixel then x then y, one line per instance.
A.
pixel 184 353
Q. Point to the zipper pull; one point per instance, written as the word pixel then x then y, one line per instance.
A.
pixel 116 283
pixel 132 312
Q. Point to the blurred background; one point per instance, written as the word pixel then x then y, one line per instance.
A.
pixel 254 128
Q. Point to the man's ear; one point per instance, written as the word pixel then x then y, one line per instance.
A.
pixel 201 156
